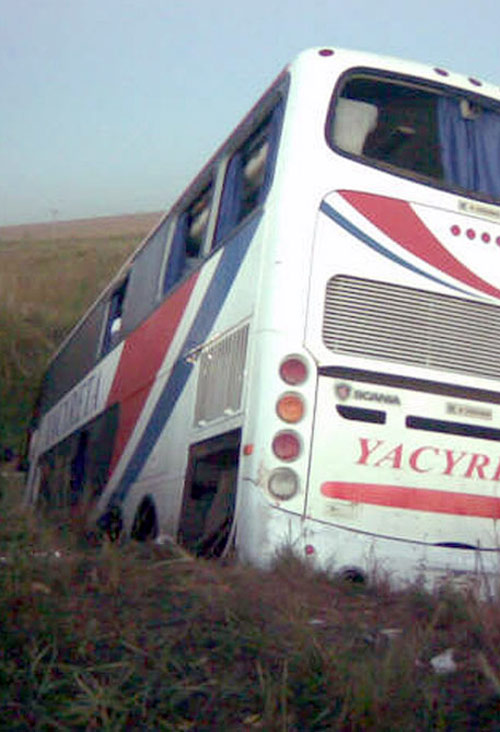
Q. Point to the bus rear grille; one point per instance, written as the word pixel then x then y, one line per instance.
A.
pixel 220 377
pixel 394 323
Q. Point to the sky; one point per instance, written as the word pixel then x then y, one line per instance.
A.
pixel 112 106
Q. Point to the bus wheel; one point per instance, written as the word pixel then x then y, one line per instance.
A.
pixel 111 523
pixel 145 526
pixel 353 575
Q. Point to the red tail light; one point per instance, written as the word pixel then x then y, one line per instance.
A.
pixel 293 371
pixel 286 446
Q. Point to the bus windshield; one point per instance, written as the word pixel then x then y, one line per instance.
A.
pixel 444 139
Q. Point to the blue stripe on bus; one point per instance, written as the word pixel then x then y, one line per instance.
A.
pixel 379 248
pixel 213 300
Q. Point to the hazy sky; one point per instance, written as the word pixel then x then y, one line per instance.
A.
pixel 111 106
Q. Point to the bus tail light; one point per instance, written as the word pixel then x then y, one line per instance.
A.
pixel 283 483
pixel 293 370
pixel 290 408
pixel 286 446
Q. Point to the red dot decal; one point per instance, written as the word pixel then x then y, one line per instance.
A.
pixel 471 234
pixel 486 237
pixel 455 230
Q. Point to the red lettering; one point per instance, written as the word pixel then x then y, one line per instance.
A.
pixel 497 473
pixel 393 456
pixel 366 450
pixel 478 463
pixel 415 456
pixel 421 460
pixel 452 461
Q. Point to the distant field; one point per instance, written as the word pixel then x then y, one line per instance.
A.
pixel 125 225
pixel 50 274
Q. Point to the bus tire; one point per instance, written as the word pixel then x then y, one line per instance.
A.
pixel 111 523
pixel 353 575
pixel 145 526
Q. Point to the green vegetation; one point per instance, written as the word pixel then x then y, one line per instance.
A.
pixel 45 287
pixel 117 637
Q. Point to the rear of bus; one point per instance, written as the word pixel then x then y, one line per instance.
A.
pixel 386 452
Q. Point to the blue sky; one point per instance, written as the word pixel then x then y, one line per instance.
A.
pixel 111 106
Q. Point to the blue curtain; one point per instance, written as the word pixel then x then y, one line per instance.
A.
pixel 229 206
pixel 470 148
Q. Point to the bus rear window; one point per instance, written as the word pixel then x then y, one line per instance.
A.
pixel 451 141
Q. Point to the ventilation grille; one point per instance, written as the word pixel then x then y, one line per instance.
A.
pixel 220 379
pixel 394 323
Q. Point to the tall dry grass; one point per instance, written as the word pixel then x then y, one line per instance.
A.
pixel 45 287
pixel 117 637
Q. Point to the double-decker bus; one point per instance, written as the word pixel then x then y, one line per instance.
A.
pixel 304 351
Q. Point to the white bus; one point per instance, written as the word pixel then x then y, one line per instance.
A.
pixel 304 352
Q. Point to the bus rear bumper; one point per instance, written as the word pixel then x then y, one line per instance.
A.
pixel 379 558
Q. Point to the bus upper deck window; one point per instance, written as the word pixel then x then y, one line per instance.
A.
pixel 389 122
pixel 436 135
pixel 112 332
pixel 248 174
pixel 188 240
pixel 254 161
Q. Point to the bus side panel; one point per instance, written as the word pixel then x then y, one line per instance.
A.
pixel 157 388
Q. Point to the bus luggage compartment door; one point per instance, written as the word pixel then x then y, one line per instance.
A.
pixel 210 495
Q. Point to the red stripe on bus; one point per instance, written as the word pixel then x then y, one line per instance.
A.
pixel 142 356
pixel 414 499
pixel 398 220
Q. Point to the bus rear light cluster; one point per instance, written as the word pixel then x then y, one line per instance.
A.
pixel 286 446
pixel 283 483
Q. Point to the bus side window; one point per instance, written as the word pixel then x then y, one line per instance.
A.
pixel 142 290
pixel 77 468
pixel 189 236
pixel 113 328
pixel 248 175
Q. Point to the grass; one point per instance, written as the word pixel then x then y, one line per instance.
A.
pixel 36 278
pixel 117 637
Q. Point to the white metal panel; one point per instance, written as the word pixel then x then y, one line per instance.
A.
pixel 220 376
